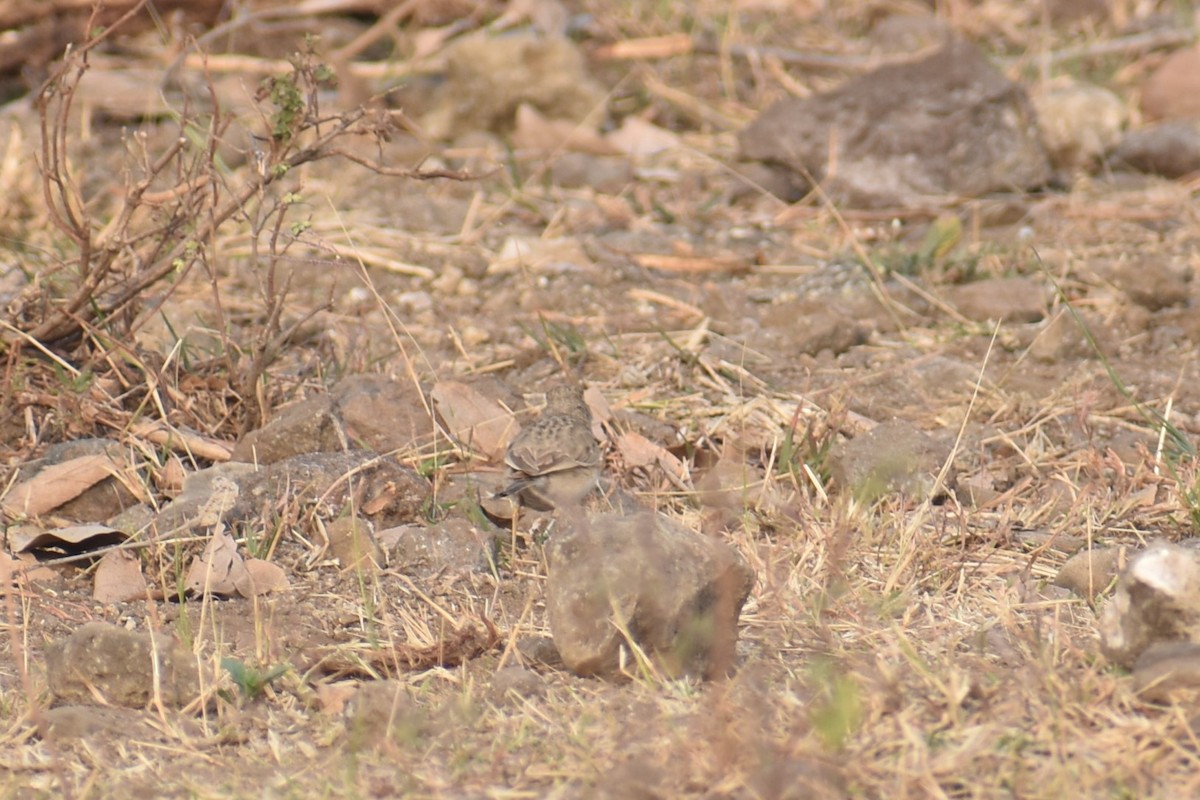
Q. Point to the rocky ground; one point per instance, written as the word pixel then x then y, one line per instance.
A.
pixel 887 321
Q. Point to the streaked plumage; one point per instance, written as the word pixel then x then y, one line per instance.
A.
pixel 555 461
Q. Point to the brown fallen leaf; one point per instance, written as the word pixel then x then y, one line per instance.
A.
pixel 220 569
pixel 475 421
pixel 55 485
pixel 691 263
pixel 262 577
pixel 119 578
pixel 534 131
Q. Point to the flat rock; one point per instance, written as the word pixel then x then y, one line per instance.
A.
pixel 1168 670
pixel 353 544
pixel 383 714
pixel 101 662
pixel 892 457
pixel 511 684
pixel 1152 281
pixel 98 724
pixel 948 124
pixel 1157 601
pixel 362 411
pixel 381 488
pixel 454 546
pixel 676 593
pixel 1009 299
pixel 1170 149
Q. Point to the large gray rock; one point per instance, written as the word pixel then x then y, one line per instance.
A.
pixel 1156 604
pixel 117 665
pixel 949 124
pixel 675 593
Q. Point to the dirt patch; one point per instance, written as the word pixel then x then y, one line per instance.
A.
pixel 368 343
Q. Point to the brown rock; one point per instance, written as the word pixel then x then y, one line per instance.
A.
pixel 380 488
pixel 1007 299
pixel 1060 338
pixel 454 546
pixel 1170 149
pixel 1090 572
pixel 1168 670
pixel 947 124
pixel 1157 601
pixel 361 411
pixel 382 715
pixel 891 457
pixel 813 326
pixel 119 666
pixel 511 684
pixel 1173 90
pixel 353 544
pixel 676 593
pixel 98 724
pixel 1151 281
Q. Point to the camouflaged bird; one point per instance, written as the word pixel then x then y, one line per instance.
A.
pixel 555 461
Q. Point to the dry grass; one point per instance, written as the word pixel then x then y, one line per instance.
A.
pixel 891 648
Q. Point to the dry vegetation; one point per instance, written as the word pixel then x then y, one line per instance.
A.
pixel 892 647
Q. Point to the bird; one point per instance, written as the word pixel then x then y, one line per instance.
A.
pixel 555 462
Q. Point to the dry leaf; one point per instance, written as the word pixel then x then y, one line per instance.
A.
pixel 534 131
pixel 638 451
pixel 55 485
pixel 532 253
pixel 636 137
pixel 475 421
pixel 220 569
pixel 262 577
pixel 119 578
pixel 75 538
pixel 332 697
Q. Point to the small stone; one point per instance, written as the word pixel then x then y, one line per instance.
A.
pixel 891 457
pixel 1006 299
pixel 361 411
pixel 676 593
pixel 540 650
pixel 454 546
pixel 97 724
pixel 119 666
pixel 382 715
pixel 1157 601
pixel 513 683
pixel 1060 338
pixel 1090 572
pixel 1168 670
pixel 353 544
pixel 1170 149
pixel 1151 281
